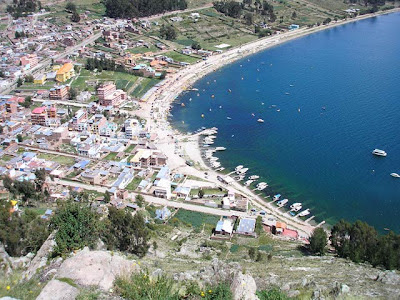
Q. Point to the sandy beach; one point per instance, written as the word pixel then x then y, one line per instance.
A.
pixel 158 101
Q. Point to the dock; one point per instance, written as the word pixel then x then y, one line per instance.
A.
pixel 320 224
pixel 309 219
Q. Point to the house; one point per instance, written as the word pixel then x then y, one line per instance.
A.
pixel 145 158
pixel 163 214
pixel 39 79
pixel 109 95
pixel 60 93
pixel 224 227
pixel 246 226
pixel 92 177
pixel 162 188
pixel 65 72
pixel 293 26
pixel 29 61
pixel 45 116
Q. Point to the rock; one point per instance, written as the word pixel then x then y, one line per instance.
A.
pixel 317 295
pixel 344 289
pixel 57 290
pixel 293 294
pixel 157 273
pixel 304 282
pixel 40 260
pixel 7 298
pixel 243 287
pixel 388 277
pixel 285 287
pixel 100 268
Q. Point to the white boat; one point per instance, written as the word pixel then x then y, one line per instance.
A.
pixel 220 149
pixel 379 152
pixel 395 175
pixel 239 167
pixel 253 177
pixel 214 158
pixel 276 197
pixel 261 186
pixel 248 182
pixel 242 171
pixel 283 202
pixel 304 213
pixel 260 121
pixel 296 206
pixel 228 118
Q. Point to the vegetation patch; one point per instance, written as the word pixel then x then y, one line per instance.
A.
pixel 196 219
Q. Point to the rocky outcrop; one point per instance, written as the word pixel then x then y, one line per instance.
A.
pixel 95 268
pixel 388 277
pixel 243 287
pixel 58 290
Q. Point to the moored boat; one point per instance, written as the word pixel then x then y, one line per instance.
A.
pixel 395 175
pixel 379 152
pixel 260 121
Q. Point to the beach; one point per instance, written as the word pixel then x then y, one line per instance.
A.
pixel 157 105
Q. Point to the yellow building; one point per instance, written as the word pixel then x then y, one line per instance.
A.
pixel 39 79
pixel 65 72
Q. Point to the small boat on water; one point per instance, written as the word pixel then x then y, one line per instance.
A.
pixel 220 149
pixel 261 186
pixel 282 202
pixel 260 121
pixel 304 213
pixel 229 118
pixel 296 206
pixel 276 197
pixel 253 177
pixel 242 171
pixel 239 167
pixel 248 182
pixel 395 175
pixel 379 152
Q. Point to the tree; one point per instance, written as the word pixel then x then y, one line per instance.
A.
pixel 19 138
pixel 72 93
pixel 27 102
pixel 71 7
pixel 107 197
pixel 168 32
pixel 19 82
pixel 259 225
pixel 75 17
pixel 29 78
pixel 327 21
pixel 126 232
pixel 318 241
pixel 201 193
pixel 77 226
pixel 196 45
pixel 294 15
pixel 40 179
pixel 139 200
pixel 249 18
pixel 252 253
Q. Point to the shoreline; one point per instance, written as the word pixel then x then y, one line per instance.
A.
pixel 159 101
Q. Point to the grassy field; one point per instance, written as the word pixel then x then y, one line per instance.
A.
pixel 134 184
pixel 145 85
pixel 6 157
pixel 63 160
pixel 196 219
pixel 129 148
pixel 180 57
pixel 112 156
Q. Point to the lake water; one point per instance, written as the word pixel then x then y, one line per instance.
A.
pixel 338 92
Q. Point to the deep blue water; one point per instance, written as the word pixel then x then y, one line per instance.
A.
pixel 320 157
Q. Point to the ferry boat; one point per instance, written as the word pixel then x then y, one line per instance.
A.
pixel 283 202
pixel 260 121
pixel 395 175
pixel 276 197
pixel 220 149
pixel 379 152
pixel 254 177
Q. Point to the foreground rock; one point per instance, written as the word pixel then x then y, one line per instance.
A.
pixel 95 268
pixel 243 287
pixel 57 290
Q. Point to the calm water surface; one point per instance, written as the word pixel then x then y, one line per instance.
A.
pixel 338 92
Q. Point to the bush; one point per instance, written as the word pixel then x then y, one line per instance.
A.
pixel 273 294
pixel 318 241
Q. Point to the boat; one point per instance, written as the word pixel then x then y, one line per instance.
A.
pixel 248 182
pixel 239 167
pixel 229 118
pixel 253 177
pixel 304 213
pixel 395 175
pixel 260 121
pixel 220 148
pixel 276 197
pixel 278 110
pixel 183 104
pixel 296 206
pixel 282 202
pixel 379 152
pixel 261 186
pixel 242 171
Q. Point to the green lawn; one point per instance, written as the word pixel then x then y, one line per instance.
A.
pixel 129 148
pixel 6 157
pixel 196 219
pixel 112 156
pixel 182 57
pixel 133 184
pixel 144 86
pixel 143 49
pixel 63 160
